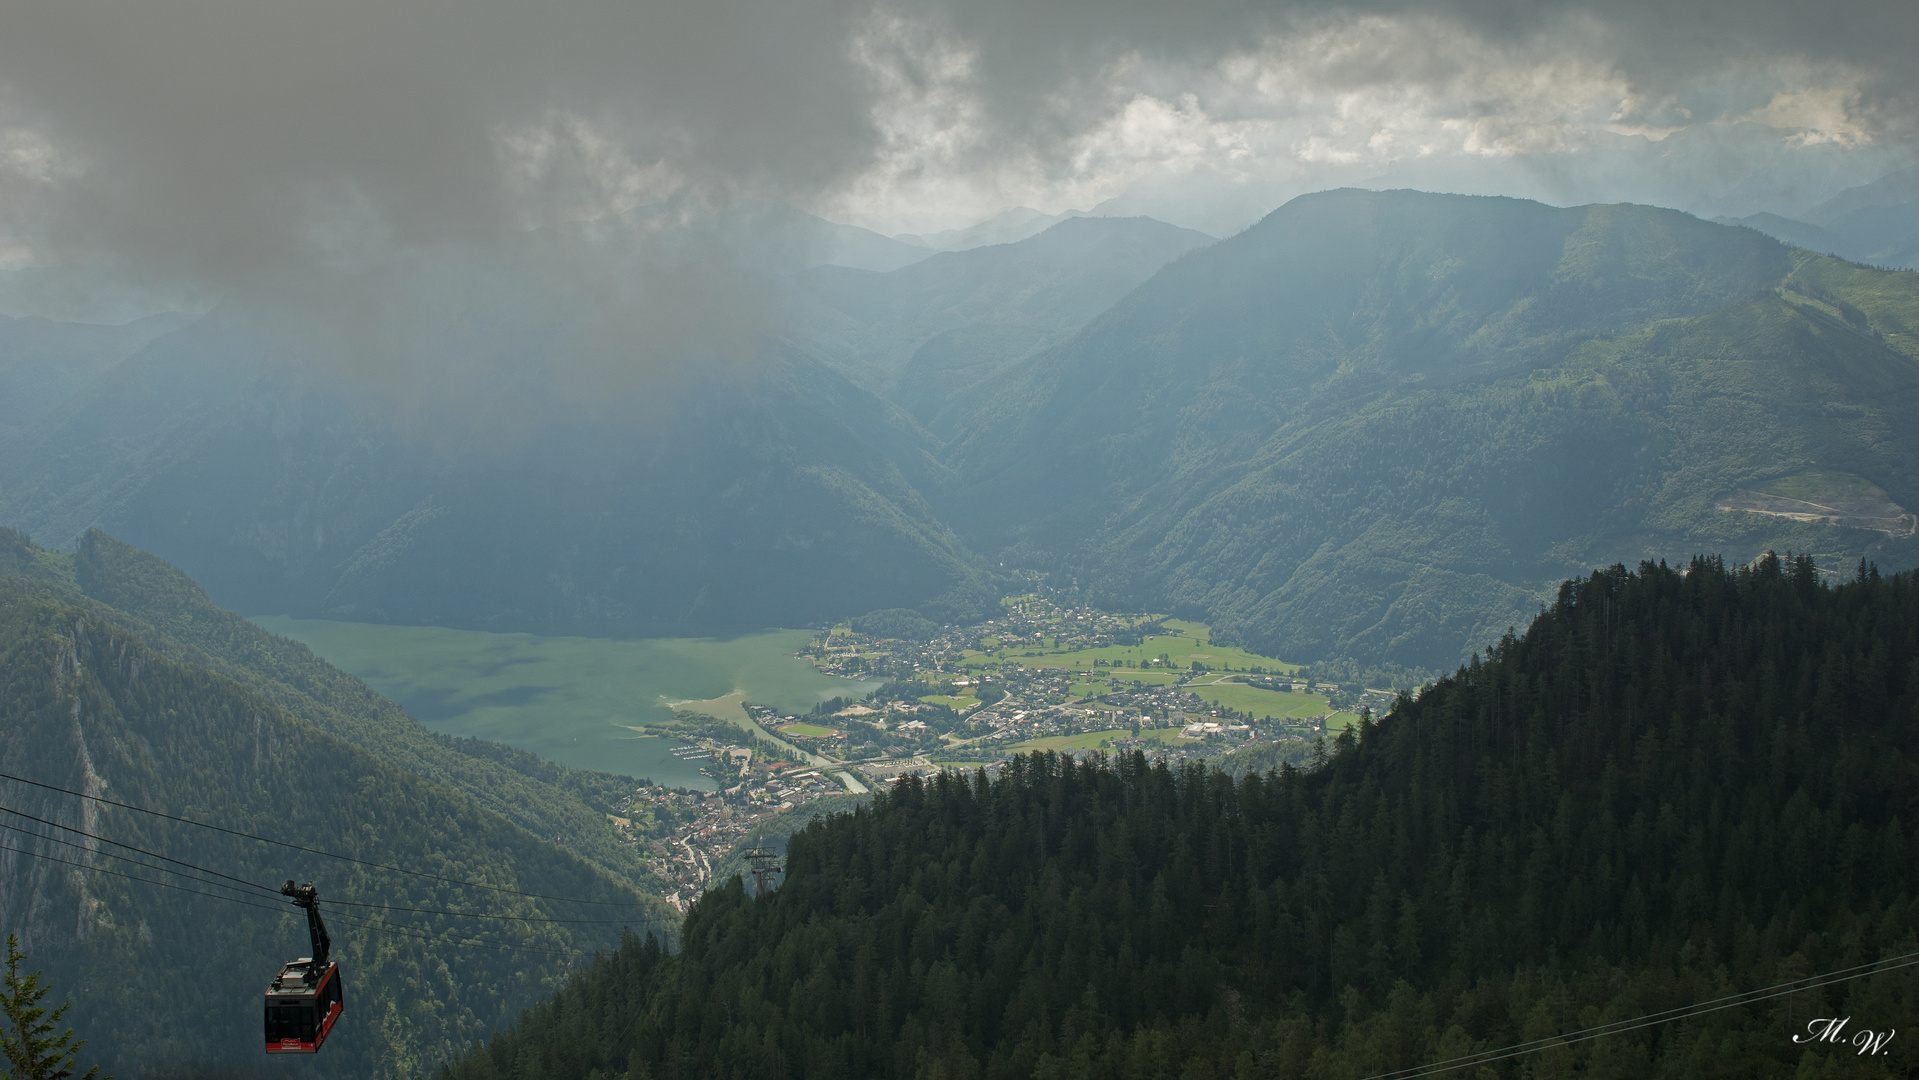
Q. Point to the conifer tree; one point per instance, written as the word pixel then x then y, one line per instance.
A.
pixel 32 1050
pixel 1678 784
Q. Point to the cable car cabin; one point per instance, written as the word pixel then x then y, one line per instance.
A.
pixel 300 1014
pixel 305 1001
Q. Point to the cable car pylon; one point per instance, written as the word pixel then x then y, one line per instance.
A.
pixel 764 864
pixel 305 999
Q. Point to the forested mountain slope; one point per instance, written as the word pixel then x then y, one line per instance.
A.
pixel 162 976
pixel 42 363
pixel 1876 224
pixel 1375 426
pixel 775 492
pixel 1879 221
pixel 1379 424
pixel 172 615
pixel 1678 784
pixel 925 334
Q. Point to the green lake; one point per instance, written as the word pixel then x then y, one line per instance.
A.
pixel 574 700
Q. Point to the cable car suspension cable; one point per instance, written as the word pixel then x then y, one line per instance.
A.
pixel 276 892
pixel 1683 1012
pixel 141 850
pixel 111 855
pixel 135 877
pixel 319 851
pixel 383 927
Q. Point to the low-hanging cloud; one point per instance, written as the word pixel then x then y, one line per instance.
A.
pixel 361 169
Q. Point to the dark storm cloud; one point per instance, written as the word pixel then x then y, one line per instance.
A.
pixel 1028 47
pixel 218 136
pixel 321 153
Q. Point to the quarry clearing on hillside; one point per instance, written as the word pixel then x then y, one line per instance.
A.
pixel 1827 499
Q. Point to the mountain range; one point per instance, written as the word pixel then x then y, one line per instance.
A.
pixel 1380 424
pixel 1006 227
pixel 438 860
pixel 1375 425
pixel 1876 223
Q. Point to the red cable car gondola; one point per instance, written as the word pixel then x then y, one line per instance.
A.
pixel 305 1000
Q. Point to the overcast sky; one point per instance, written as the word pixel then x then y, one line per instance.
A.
pixel 213 145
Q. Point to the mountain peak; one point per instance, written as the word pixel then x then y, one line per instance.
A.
pixel 1006 227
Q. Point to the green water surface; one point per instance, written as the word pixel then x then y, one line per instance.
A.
pixel 573 700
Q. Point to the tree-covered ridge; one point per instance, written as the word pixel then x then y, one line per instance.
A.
pixel 1678 784
pixel 170 613
pixel 168 977
pixel 768 494
pixel 1377 427
pixel 1384 425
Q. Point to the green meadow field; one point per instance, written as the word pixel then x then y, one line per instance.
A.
pixel 1090 740
pixel 573 700
pixel 1167 735
pixel 1180 651
pixel 1278 704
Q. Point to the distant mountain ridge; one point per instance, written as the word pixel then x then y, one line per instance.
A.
pixel 780 494
pixel 1006 227
pixel 771 499
pixel 925 334
pixel 825 243
pixel 43 363
pixel 1381 423
pixel 1375 425
pixel 1876 223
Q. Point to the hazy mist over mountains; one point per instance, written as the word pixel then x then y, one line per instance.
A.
pixel 1376 426
pixel 572 372
pixel 1077 436
pixel 1876 223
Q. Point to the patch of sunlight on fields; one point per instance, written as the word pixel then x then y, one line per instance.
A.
pixel 1179 651
pixel 1277 704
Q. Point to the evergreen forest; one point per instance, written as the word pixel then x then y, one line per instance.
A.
pixel 1680 783
pixel 448 916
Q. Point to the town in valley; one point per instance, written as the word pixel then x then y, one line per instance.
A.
pixel 1045 675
